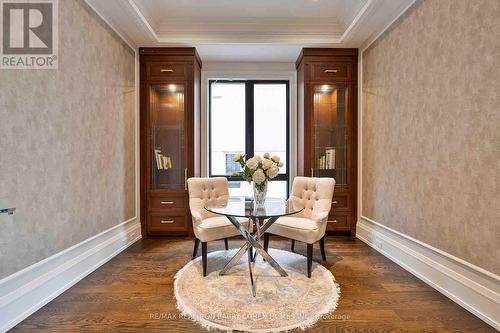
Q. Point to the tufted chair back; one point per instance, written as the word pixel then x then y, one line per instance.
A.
pixel 203 190
pixel 315 195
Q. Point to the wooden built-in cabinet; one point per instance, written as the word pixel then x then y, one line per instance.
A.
pixel 170 101
pixel 327 127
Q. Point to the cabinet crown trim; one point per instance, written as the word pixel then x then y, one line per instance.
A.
pixel 326 52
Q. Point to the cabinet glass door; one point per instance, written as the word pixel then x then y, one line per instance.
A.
pixel 167 136
pixel 330 132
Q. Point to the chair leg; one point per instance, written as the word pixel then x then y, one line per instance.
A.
pixel 293 245
pixel 322 248
pixel 250 249
pixel 196 245
pixel 204 257
pixel 309 259
pixel 266 241
pixel 226 244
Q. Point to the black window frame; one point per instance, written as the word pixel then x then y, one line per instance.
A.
pixel 249 125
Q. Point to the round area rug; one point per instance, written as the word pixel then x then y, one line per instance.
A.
pixel 281 304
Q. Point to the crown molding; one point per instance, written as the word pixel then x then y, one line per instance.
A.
pixel 249 29
pixel 120 33
pixel 143 19
pixel 398 12
pixel 279 32
pixel 356 19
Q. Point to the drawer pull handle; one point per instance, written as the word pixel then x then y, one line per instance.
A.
pixel 331 70
pixel 333 221
pixel 335 202
pixel 166 70
pixel 167 221
pixel 167 202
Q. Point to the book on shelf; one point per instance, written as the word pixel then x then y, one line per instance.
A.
pixel 330 158
pixel 168 162
pixel 165 162
pixel 162 162
pixel 158 158
pixel 327 161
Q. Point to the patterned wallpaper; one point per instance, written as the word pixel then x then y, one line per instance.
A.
pixel 67 142
pixel 431 128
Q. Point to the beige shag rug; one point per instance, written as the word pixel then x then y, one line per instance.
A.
pixel 282 303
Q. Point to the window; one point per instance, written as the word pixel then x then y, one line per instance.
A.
pixel 250 117
pixel 231 165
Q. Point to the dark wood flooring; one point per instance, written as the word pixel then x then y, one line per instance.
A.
pixel 134 293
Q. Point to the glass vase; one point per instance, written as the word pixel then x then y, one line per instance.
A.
pixel 259 193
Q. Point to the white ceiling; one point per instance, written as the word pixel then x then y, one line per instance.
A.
pixel 256 8
pixel 242 30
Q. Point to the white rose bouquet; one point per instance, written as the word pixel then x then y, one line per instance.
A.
pixel 258 169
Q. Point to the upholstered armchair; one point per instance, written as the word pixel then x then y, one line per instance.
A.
pixel 308 226
pixel 208 226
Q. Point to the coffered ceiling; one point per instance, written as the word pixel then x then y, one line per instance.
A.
pixel 242 30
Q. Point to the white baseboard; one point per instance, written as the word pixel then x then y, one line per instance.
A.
pixel 26 291
pixel 472 287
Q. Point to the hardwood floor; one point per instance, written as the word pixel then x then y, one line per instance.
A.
pixel 134 293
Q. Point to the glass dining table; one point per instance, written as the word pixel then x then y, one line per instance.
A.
pixel 261 217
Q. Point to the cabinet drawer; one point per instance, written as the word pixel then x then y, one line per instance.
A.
pixel 340 202
pixel 160 222
pixel 329 71
pixel 339 222
pixel 162 70
pixel 166 202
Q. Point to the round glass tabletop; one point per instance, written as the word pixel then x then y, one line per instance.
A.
pixel 239 207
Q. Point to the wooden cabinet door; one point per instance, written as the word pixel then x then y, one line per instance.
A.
pixel 168 135
pixel 169 156
pixel 329 125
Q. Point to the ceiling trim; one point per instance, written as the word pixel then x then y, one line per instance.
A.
pixel 220 35
pixel 249 29
pixel 120 34
pixel 143 20
pixel 250 42
pixel 376 36
pixel 253 39
pixel 356 19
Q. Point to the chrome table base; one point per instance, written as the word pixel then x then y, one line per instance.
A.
pixel 252 241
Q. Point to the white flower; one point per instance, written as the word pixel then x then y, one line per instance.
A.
pixel 266 155
pixel 258 176
pixel 280 164
pixel 237 157
pixel 275 158
pixel 266 164
pixel 272 172
pixel 257 158
pixel 252 163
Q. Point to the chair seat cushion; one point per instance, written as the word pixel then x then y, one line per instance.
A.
pixel 297 223
pixel 298 228
pixel 220 221
pixel 219 227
